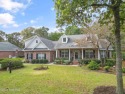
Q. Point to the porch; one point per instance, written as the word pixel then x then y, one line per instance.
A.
pixel 76 54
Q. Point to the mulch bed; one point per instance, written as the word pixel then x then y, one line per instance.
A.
pixel 41 68
pixel 105 90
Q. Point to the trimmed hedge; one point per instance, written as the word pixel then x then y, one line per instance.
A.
pixel 87 61
pixel 110 62
pixel 16 63
pixel 64 61
pixel 41 61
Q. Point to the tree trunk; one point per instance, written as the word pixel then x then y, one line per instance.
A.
pixel 119 88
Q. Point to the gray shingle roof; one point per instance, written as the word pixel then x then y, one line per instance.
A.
pixel 71 42
pixel 104 44
pixel 48 43
pixel 7 46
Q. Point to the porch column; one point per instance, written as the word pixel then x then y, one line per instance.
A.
pixel 56 53
pixel 69 54
pixel 98 54
pixel 82 53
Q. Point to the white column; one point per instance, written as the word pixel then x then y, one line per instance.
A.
pixel 56 53
pixel 110 54
pixel 98 54
pixel 82 53
pixel 69 54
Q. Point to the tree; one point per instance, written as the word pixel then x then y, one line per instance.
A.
pixel 27 33
pixel 81 12
pixel 2 36
pixel 55 35
pixel 15 38
pixel 43 32
pixel 73 30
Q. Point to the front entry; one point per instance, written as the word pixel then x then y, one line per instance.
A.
pixel 76 55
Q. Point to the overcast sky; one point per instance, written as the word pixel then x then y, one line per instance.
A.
pixel 15 15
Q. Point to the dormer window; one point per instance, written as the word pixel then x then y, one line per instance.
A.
pixel 64 40
pixel 36 41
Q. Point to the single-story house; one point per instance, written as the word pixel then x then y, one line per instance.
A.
pixel 72 47
pixel 8 50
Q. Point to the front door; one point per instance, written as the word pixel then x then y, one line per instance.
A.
pixel 76 55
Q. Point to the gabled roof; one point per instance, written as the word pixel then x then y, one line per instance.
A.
pixel 49 44
pixel 90 42
pixel 72 42
pixel 7 46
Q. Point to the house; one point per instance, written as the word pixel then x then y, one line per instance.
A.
pixel 84 46
pixel 8 50
pixel 39 48
pixel 71 47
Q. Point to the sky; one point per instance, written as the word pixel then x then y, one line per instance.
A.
pixel 16 15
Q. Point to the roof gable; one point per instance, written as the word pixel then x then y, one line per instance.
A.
pixel 37 42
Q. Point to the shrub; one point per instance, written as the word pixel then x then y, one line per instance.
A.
pixel 84 61
pixel 107 68
pixel 16 63
pixel 33 61
pixel 42 61
pixel 123 70
pixel 110 62
pixel 123 55
pixel 87 61
pixel 93 65
pixel 66 62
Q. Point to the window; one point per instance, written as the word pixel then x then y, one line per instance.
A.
pixel 64 53
pixel 29 56
pixel 64 40
pixel 89 53
pixel 36 41
pixel 102 53
pixel 40 56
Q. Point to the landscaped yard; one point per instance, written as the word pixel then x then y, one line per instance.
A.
pixel 57 79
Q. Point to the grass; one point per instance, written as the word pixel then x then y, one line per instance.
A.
pixel 56 80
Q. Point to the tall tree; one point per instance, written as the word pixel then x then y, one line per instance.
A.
pixel 81 12
pixel 15 38
pixel 55 35
pixel 2 36
pixel 73 30
pixel 28 32
pixel 42 31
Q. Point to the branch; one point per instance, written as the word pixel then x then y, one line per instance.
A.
pixel 101 5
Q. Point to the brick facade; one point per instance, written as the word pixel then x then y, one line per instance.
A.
pixel 6 54
pixel 50 55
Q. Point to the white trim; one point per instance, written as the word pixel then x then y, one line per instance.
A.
pixel 56 53
pixel 31 41
pixel 69 54
pixel 82 53
pixel 98 54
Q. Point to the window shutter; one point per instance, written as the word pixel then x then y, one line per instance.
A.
pixel 27 55
pixel 84 53
pixel 44 56
pixel 94 53
pixel 31 56
pixel 36 56
pixel 60 53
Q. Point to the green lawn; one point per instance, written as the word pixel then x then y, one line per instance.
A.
pixel 56 80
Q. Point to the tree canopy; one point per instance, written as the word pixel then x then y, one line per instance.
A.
pixel 82 12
